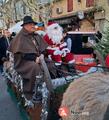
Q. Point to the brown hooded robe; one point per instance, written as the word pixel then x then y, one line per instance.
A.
pixel 23 43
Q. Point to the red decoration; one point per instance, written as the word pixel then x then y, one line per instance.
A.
pixel 107 61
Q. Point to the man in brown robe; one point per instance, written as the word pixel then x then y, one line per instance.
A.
pixel 26 48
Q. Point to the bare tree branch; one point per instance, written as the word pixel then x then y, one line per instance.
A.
pixel 42 9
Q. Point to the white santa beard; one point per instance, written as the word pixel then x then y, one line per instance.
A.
pixel 55 35
pixel 56 38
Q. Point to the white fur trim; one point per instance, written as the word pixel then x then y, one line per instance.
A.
pixel 52 25
pixel 57 52
pixel 52 48
pixel 66 50
pixel 72 61
pixel 63 45
pixel 58 63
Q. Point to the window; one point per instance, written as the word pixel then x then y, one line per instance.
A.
pixel 89 3
pixel 59 10
pixel 69 5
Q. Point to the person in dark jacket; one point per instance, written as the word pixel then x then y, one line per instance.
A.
pixel 26 47
pixel 67 39
pixel 3 48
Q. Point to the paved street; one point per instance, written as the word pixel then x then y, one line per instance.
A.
pixel 8 109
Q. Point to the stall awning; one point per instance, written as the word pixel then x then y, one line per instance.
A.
pixel 17 27
pixel 67 19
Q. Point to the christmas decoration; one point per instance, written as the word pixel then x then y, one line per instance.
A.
pixel 103 44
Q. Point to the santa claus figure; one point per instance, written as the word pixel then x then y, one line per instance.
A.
pixel 57 49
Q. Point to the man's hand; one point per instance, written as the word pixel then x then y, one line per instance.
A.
pixel 37 60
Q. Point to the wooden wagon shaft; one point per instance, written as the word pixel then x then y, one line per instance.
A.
pixel 47 76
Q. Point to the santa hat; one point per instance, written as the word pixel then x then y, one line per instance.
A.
pixel 51 23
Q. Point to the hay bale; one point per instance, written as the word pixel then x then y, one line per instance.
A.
pixel 87 98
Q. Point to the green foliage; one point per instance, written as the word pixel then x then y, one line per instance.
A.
pixel 103 45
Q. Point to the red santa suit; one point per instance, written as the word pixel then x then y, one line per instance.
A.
pixel 57 50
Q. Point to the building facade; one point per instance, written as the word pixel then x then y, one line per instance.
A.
pixel 75 13
pixel 101 15
pixel 81 15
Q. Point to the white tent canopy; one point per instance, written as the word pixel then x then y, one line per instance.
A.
pixel 16 28
pixel 40 32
